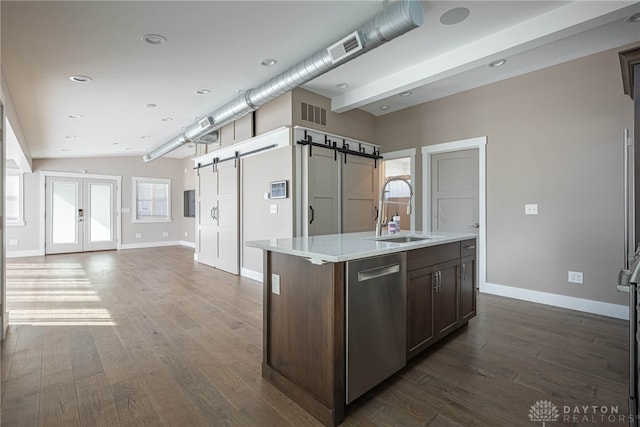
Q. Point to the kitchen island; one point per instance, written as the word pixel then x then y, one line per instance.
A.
pixel 343 312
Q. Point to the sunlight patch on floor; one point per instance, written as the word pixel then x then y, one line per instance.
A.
pixel 53 294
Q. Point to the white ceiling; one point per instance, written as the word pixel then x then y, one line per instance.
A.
pixel 218 45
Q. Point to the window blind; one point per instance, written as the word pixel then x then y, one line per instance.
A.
pixel 152 200
pixel 12 198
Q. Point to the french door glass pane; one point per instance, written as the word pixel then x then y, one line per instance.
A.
pixel 100 221
pixel 64 205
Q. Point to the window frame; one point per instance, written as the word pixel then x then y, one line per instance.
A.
pixel 135 181
pixel 20 221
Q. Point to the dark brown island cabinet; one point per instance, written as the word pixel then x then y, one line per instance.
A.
pixel 304 343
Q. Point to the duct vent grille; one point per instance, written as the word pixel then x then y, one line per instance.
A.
pixel 313 114
pixel 345 47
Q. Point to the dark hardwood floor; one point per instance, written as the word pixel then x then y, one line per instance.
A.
pixel 148 337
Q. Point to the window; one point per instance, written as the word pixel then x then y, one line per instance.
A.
pixel 151 199
pixel 13 197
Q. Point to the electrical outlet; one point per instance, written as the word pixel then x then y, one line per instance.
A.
pixel 575 277
pixel 165 234
pixel 273 209
pixel 275 284
pixel 138 235
pixel 13 242
pixel 531 209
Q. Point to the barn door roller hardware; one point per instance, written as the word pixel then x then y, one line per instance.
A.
pixel 344 148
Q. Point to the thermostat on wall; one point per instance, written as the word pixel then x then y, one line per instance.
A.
pixel 278 190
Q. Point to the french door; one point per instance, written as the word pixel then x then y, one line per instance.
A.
pixel 80 215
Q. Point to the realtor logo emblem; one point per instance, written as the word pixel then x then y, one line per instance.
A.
pixel 543 411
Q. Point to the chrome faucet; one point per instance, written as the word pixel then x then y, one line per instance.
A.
pixel 381 204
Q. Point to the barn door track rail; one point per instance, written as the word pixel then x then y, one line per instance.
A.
pixel 344 148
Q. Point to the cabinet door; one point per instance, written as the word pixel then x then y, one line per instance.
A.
pixel 467 288
pixel 360 180
pixel 420 285
pixel 445 297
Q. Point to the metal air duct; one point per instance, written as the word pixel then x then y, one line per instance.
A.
pixel 395 20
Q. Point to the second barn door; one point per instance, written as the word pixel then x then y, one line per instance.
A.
pixel 218 209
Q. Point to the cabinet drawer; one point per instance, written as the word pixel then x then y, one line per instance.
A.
pixel 425 257
pixel 468 248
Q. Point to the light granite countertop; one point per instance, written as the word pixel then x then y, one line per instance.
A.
pixel 350 246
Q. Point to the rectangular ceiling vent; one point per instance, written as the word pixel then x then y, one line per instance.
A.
pixel 313 114
pixel 345 47
pixel 206 122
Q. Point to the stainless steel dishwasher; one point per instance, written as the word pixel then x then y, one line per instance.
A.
pixel 376 321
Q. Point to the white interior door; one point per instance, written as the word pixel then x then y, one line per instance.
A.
pixel 217 216
pixel 454 191
pixel 80 215
pixel 206 214
pixel 323 192
pixel 228 224
pixel 360 181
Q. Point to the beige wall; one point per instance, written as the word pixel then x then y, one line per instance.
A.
pixel 356 124
pixel 257 222
pixel 555 139
pixel 187 225
pixel 29 236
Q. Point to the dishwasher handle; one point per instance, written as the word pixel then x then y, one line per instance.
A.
pixel 374 273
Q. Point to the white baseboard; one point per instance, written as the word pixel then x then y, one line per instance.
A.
pixel 188 244
pixel 21 254
pixel 580 304
pixel 151 244
pixel 244 272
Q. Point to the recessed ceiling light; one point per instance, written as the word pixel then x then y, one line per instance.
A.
pixel 342 85
pixel 70 136
pixel 634 18
pixel 202 91
pixel 145 137
pixel 115 143
pixel 66 149
pixel 154 39
pixel 405 93
pixel 498 63
pixel 268 62
pixel 129 148
pixel 75 116
pixel 454 16
pixel 167 119
pixel 80 78
pixel 151 105
pixel 384 107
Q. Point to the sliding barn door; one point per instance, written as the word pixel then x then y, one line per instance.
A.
pixel 360 181
pixel 218 210
pixel 323 189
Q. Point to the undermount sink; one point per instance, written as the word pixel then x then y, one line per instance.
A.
pixel 402 239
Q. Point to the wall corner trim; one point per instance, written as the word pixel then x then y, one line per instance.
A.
pixel 250 274
pixel 580 304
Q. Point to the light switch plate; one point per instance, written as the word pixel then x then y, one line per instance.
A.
pixel 273 209
pixel 13 242
pixel 531 209
pixel 275 284
pixel 165 234
pixel 138 235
